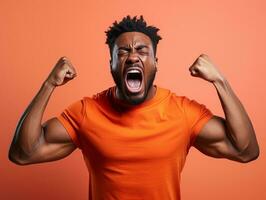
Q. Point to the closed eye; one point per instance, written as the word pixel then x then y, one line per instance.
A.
pixel 142 47
pixel 123 50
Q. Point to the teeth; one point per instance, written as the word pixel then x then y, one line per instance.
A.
pixel 133 71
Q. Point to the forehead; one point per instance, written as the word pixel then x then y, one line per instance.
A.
pixel 130 38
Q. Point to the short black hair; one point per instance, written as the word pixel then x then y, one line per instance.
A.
pixel 129 24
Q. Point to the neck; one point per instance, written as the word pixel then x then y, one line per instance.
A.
pixel 151 93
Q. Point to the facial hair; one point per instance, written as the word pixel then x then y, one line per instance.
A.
pixel 127 98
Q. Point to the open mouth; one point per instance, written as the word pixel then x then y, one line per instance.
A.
pixel 134 80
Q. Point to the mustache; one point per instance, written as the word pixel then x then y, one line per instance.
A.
pixel 133 65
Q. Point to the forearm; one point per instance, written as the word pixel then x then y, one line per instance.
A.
pixel 239 126
pixel 29 129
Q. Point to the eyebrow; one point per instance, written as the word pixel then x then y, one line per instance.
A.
pixel 123 48
pixel 142 46
pixel 137 47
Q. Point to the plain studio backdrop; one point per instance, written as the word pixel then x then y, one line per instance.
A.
pixel 35 34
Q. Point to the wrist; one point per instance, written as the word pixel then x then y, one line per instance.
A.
pixel 48 85
pixel 219 81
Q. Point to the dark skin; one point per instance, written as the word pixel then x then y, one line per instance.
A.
pixel 133 49
pixel 232 138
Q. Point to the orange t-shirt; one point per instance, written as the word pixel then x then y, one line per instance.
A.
pixel 138 152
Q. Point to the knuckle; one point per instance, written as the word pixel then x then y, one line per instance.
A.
pixel 196 65
pixel 65 66
pixel 203 55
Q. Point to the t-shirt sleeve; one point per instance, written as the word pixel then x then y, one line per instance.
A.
pixel 197 116
pixel 72 118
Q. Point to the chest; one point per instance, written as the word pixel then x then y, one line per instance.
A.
pixel 154 135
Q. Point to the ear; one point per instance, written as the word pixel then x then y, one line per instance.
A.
pixel 110 64
pixel 156 62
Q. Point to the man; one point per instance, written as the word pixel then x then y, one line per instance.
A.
pixel 135 135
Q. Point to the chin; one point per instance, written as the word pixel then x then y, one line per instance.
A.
pixel 135 99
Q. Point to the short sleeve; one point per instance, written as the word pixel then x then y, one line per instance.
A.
pixel 71 118
pixel 197 116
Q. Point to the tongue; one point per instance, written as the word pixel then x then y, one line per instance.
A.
pixel 133 83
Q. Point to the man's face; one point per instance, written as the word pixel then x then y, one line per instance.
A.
pixel 133 66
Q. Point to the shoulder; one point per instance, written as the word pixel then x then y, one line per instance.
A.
pixel 99 97
pixel 175 100
pixel 183 102
pixel 179 100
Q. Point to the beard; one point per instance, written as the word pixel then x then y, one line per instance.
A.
pixel 133 99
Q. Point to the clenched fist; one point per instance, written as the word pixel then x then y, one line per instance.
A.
pixel 204 68
pixel 62 72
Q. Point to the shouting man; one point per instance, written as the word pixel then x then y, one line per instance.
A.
pixel 134 136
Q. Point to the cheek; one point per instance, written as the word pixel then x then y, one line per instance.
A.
pixel 149 66
pixel 117 66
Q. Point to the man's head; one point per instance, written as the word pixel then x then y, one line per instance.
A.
pixel 133 60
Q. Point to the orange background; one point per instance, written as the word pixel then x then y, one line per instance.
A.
pixel 34 34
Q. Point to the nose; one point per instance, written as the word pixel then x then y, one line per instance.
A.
pixel 132 59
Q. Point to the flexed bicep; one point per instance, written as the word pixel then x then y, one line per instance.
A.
pixel 54 144
pixel 214 140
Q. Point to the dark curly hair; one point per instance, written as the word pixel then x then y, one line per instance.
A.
pixel 129 24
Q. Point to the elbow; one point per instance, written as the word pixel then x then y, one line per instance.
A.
pixel 17 161
pixel 250 157
pixel 14 158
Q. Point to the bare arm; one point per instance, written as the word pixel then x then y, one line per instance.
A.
pixel 233 137
pixel 33 142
